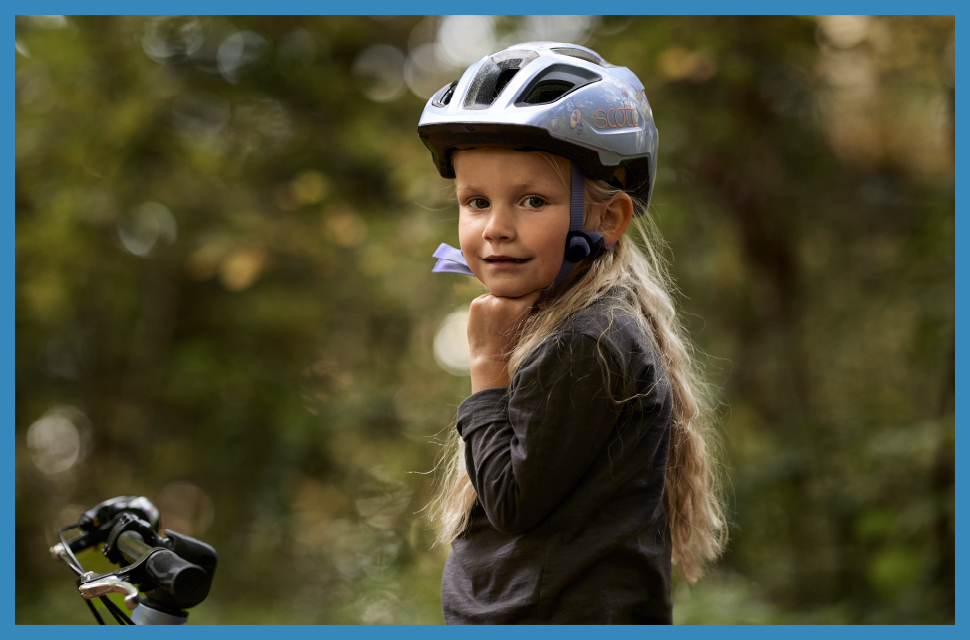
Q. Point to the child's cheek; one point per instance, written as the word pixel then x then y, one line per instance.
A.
pixel 468 245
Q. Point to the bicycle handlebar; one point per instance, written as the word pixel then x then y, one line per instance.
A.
pixel 188 583
pixel 181 567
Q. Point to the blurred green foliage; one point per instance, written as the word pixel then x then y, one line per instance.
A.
pixel 224 299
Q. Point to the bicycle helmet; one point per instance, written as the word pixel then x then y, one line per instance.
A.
pixel 546 96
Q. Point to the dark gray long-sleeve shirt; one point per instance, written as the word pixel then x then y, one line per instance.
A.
pixel 569 524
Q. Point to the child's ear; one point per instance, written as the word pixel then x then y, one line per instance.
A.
pixel 616 218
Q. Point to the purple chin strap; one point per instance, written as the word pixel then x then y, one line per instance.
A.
pixel 579 244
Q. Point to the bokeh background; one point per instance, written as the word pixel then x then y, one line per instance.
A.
pixel 224 299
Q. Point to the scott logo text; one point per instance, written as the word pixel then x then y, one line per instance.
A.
pixel 615 118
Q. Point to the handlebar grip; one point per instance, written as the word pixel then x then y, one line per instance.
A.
pixel 187 582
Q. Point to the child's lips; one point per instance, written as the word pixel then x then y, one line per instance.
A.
pixel 505 261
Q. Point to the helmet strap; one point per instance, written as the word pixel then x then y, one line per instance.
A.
pixel 580 244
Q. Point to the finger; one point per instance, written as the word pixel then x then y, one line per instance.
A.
pixel 479 302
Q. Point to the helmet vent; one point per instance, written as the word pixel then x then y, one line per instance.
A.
pixel 546 92
pixel 503 79
pixel 554 82
pixel 582 55
pixel 443 97
pixel 494 76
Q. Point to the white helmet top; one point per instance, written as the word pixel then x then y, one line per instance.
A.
pixel 556 97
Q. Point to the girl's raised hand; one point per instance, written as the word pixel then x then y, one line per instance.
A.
pixel 492 321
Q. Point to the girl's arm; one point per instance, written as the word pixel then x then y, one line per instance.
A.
pixel 525 448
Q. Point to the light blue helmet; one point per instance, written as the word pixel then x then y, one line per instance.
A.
pixel 556 97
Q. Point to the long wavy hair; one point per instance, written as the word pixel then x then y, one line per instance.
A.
pixel 634 278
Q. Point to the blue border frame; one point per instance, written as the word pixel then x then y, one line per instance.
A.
pixel 7 329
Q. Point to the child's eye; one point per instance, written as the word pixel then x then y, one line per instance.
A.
pixel 478 203
pixel 534 202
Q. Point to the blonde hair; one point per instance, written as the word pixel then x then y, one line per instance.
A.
pixel 635 280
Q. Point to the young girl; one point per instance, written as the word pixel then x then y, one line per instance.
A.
pixel 581 465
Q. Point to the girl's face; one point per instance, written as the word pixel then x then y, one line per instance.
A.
pixel 514 217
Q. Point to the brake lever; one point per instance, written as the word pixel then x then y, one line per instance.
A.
pixel 95 586
pixel 118 581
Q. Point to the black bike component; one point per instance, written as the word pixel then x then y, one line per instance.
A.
pixel 175 572
pixel 118 614
pixel 162 601
pixel 193 550
pixel 125 522
pixel 85 540
pixel 187 583
pixel 177 584
pixel 103 513
pixel 97 522
pixel 97 616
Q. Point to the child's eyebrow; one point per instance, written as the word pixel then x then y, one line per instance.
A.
pixel 544 185
pixel 529 185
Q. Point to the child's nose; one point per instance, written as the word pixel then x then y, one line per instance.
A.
pixel 500 225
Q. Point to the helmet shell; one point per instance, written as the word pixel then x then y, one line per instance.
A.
pixel 556 97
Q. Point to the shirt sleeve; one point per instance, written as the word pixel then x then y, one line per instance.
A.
pixel 528 445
